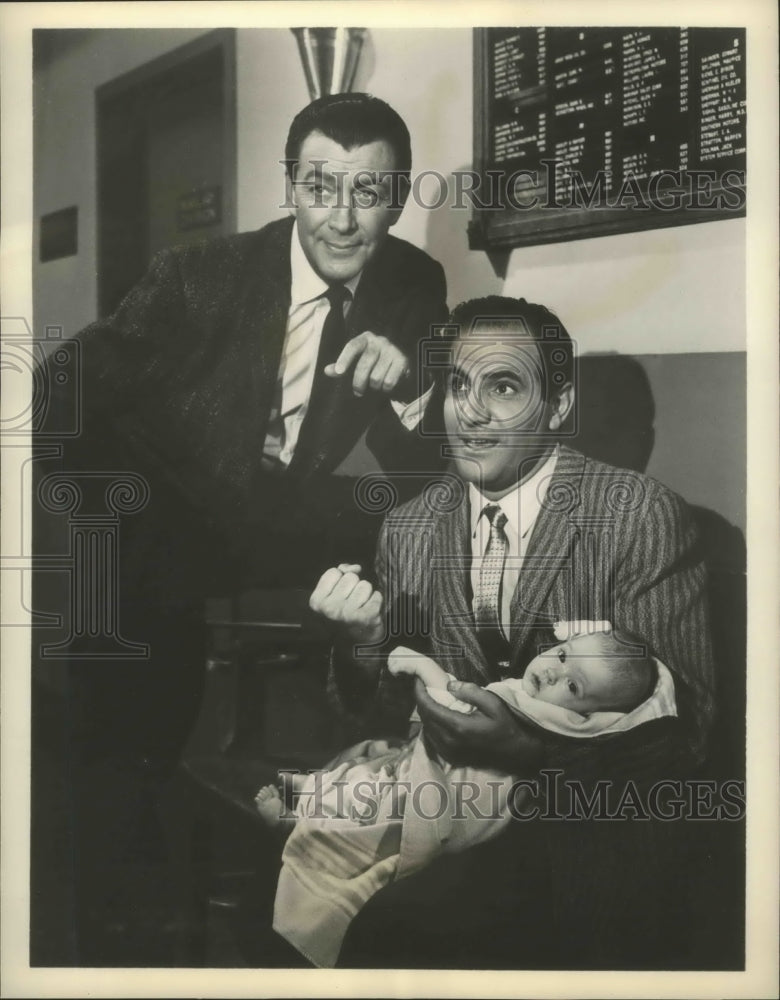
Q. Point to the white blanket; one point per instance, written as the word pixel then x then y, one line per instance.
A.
pixel 332 866
pixel 380 813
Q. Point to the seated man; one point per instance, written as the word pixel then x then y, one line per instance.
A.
pixel 542 534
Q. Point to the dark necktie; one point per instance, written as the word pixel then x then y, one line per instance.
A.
pixel 487 599
pixel 314 434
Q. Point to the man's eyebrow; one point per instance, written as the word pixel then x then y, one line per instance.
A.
pixel 317 173
pixel 366 178
pixel 466 372
pixel 500 373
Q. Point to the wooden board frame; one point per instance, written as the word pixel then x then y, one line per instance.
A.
pixel 502 228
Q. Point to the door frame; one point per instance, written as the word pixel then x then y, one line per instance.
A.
pixel 143 78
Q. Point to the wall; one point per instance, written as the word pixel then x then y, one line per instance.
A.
pixel 425 75
pixel 700 406
pixel 673 298
pixel 628 289
pixel 64 83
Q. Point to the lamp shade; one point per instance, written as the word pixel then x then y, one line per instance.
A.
pixel 330 58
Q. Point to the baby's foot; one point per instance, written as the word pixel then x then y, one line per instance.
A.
pixel 270 806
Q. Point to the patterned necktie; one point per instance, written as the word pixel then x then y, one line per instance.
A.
pixel 487 600
pixel 313 437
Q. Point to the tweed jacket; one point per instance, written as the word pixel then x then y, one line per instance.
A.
pixel 178 384
pixel 187 365
pixel 607 544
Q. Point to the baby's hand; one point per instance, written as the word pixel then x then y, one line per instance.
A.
pixel 403 660
pixel 406 661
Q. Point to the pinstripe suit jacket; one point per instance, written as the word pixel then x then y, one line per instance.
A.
pixel 607 544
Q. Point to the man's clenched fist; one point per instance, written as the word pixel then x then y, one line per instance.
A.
pixel 350 603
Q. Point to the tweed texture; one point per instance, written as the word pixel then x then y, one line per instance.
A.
pixel 178 384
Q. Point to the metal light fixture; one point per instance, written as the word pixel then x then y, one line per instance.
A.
pixel 330 58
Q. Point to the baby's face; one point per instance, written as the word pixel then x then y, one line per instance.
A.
pixel 575 675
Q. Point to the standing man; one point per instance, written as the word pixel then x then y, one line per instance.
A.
pixel 244 370
pixel 234 378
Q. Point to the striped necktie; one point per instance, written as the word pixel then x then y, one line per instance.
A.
pixel 487 600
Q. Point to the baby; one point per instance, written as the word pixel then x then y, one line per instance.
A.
pixel 381 812
pixel 589 680
pixel 602 671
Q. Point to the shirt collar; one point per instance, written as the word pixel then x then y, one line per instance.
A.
pixel 306 284
pixel 522 505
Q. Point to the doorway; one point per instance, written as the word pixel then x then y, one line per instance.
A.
pixel 166 159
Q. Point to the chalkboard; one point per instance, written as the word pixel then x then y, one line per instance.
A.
pixel 583 132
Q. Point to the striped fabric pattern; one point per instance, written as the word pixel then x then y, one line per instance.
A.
pixel 608 544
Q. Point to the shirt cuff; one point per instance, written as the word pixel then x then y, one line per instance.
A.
pixel 410 414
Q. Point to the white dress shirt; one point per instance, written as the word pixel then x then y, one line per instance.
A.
pixel 305 320
pixel 521 507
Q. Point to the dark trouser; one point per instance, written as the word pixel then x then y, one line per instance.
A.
pixel 252 921
pixel 504 905
pixel 488 908
pixel 127 724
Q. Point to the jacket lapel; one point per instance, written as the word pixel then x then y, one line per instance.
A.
pixel 455 639
pixel 263 311
pixel 548 551
pixel 243 303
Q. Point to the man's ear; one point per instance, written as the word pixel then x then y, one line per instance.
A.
pixel 289 192
pixel 561 407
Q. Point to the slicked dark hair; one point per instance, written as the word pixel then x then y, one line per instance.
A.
pixel 351 120
pixel 516 316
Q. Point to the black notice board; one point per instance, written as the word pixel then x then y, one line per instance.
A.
pixel 584 132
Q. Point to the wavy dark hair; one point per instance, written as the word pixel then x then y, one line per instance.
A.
pixel 351 120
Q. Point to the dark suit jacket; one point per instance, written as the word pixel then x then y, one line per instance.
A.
pixel 607 544
pixel 178 384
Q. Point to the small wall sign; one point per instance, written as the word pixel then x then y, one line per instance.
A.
pixel 199 208
pixel 59 234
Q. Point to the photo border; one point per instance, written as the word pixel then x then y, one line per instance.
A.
pixel 760 977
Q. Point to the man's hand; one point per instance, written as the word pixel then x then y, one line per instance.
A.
pixel 491 736
pixel 350 603
pixel 378 363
